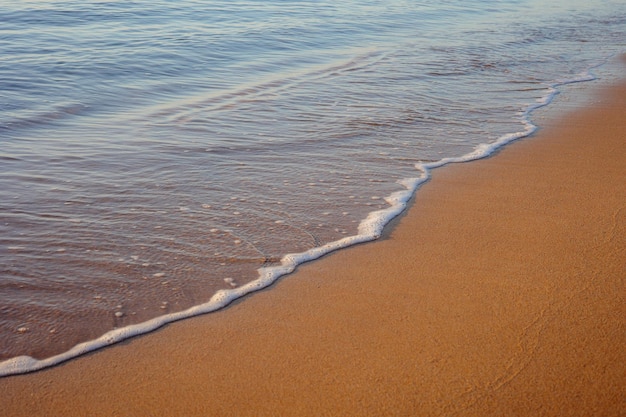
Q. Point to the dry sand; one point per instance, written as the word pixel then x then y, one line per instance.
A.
pixel 501 292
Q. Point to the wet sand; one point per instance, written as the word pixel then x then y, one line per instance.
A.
pixel 501 292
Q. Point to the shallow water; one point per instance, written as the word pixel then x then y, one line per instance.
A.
pixel 154 153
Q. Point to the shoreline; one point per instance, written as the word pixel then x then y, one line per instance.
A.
pixel 371 228
pixel 534 327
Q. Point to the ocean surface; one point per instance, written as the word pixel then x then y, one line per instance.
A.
pixel 159 159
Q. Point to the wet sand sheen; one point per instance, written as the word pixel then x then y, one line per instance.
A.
pixel 501 292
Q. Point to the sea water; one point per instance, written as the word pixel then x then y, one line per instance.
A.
pixel 159 159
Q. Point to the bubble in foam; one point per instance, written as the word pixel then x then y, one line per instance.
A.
pixel 230 282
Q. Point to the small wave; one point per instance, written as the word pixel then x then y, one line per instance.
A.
pixel 186 111
pixel 45 117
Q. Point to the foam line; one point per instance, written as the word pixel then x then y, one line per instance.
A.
pixel 369 229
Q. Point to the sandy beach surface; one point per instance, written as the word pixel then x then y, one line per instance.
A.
pixel 500 292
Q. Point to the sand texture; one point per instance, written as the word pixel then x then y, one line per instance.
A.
pixel 501 292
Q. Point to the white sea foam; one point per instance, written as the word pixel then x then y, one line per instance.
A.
pixel 369 229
